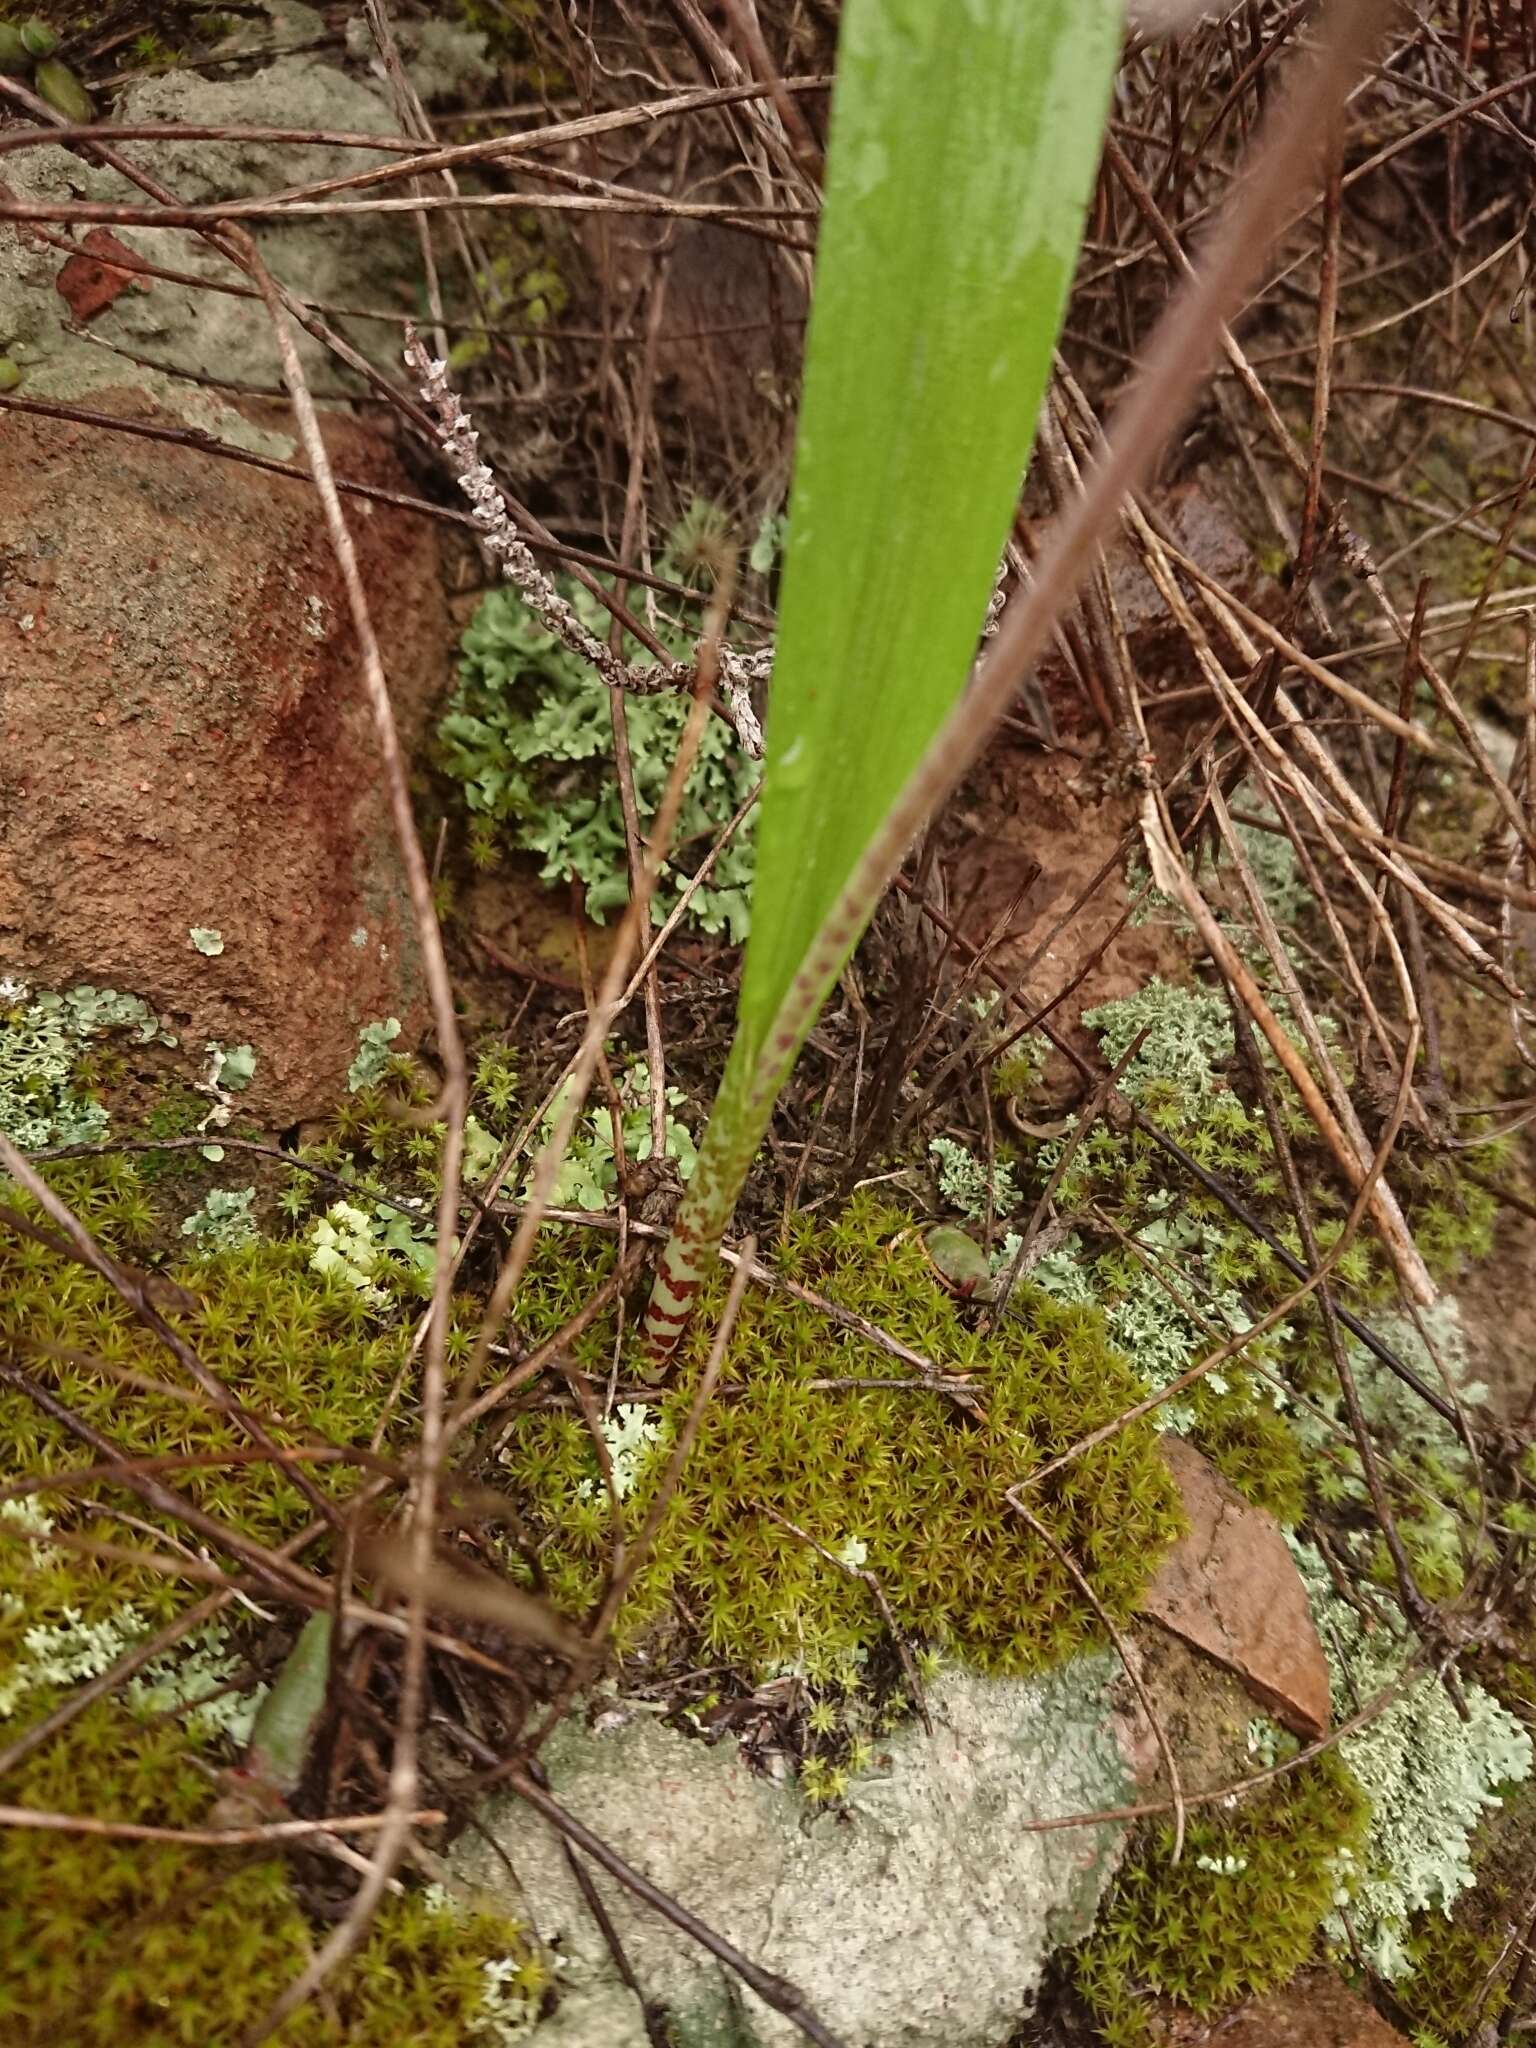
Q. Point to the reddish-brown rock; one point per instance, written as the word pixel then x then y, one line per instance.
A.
pixel 1231 1588
pixel 186 740
pixel 89 282
pixel 1313 2011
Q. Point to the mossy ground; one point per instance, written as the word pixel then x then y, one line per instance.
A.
pixel 801 1453
pixel 1148 1221
pixel 113 1944
pixel 1246 1905
pixel 1237 1915
pixel 1464 1967
pixel 917 1485
pixel 166 1943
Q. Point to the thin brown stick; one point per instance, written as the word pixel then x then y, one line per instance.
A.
pixel 452 1106
pixel 277 1831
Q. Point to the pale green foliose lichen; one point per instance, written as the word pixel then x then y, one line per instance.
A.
pixel 529 736
pixel 630 1433
pixel 231 1067
pixel 371 1060
pixel 43 1038
pixel 361 1248
pixel 196 1682
pixel 1437 1518
pixel 192 1680
pixel 588 1176
pixel 1142 1318
pixel 966 1186
pixel 223 1221
pixel 1429 1775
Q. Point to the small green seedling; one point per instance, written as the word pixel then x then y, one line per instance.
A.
pixel 33 45
pixel 284 1730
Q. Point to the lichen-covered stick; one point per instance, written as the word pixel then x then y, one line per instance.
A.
pixel 460 443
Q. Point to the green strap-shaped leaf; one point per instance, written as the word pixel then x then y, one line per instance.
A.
pixel 963 146
pixel 964 140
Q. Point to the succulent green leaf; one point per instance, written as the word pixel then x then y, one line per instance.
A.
pixel 290 1713
pixel 38 39
pixel 958 1259
pixel 58 85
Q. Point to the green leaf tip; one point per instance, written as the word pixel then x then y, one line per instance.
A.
pixel 289 1715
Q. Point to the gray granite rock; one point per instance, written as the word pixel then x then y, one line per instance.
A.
pixel 922 1919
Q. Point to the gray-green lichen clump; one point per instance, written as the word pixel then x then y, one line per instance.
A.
pixel 45 1037
pixel 1429 1772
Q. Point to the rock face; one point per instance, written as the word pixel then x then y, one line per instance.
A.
pixel 187 742
pixel 177 331
pixel 921 1920
pixel 1197 518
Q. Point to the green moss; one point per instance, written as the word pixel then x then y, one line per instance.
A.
pixel 1015 1074
pixel 109 1943
pixel 1452 1219
pixel 1460 1979
pixel 177 1113
pixel 1255 1448
pixel 304 1352
pixel 105 1943
pixel 1460 1969
pixel 900 1472
pixel 1237 1915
